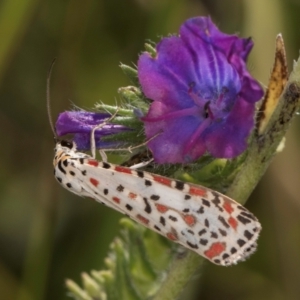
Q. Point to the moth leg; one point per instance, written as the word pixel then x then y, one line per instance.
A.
pixel 93 142
pixel 141 164
pixel 103 155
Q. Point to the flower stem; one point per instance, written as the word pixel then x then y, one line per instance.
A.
pixel 180 273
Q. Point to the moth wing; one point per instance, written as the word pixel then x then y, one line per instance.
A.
pixel 200 219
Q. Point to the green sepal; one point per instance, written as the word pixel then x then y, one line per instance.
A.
pixel 134 98
pixel 150 49
pixel 131 73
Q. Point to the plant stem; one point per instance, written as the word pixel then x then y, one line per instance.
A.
pixel 180 273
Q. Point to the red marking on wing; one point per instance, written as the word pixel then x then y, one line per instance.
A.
pixel 162 180
pixel 172 236
pixel 189 220
pixel 116 199
pixel 161 208
pixel 227 206
pixel 143 219
pixel 215 250
pixel 197 191
pixel 132 195
pixel 93 162
pixel 94 182
pixel 233 222
pixel 123 169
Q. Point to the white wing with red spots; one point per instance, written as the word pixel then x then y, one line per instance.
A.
pixel 198 218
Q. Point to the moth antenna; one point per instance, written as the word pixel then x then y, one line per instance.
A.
pixel 48 99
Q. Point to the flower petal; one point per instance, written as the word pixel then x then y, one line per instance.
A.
pixel 78 122
pixel 161 77
pixel 173 150
pixel 203 96
pixel 228 139
pixel 81 124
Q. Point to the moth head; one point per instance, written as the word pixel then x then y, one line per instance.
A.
pixel 65 145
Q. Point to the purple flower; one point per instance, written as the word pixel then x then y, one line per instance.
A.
pixel 203 96
pixel 81 123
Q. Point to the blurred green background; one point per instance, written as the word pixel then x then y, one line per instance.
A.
pixel 48 234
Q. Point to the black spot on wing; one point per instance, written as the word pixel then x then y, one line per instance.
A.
pixel 156 227
pixel 248 215
pixel 61 168
pixel 243 220
pixel 241 242
pixel 200 210
pixel 120 188
pixel 216 201
pixel 202 231
pixel 242 208
pixel 148 208
pixel 222 220
pixel 172 218
pixel 225 256
pixel 106 165
pixel 203 242
pixel 214 235
pixel 129 207
pixel 223 232
pixel 206 223
pixel 205 202
pixel 148 182
pixel 248 234
pixel 179 185
pixel 162 221
pixel 140 174
pixel 194 246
